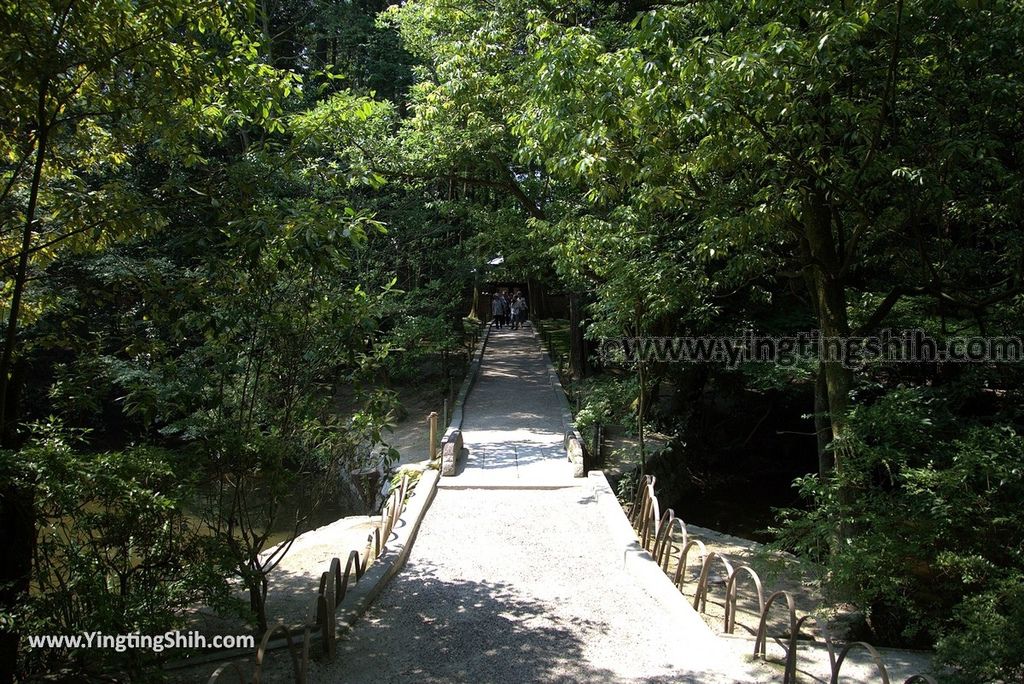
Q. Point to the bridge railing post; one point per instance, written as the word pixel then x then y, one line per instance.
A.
pixel 432 430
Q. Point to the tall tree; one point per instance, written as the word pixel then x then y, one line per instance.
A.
pixel 845 146
pixel 80 85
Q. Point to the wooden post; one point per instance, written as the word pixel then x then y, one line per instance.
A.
pixel 432 423
pixel 444 412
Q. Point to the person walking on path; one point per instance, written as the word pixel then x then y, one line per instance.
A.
pixel 498 310
pixel 518 310
pixel 506 309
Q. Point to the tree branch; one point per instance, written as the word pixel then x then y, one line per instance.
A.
pixel 888 95
pixel 513 186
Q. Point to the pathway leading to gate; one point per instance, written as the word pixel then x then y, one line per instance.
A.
pixel 517 574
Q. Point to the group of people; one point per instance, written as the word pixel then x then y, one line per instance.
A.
pixel 508 309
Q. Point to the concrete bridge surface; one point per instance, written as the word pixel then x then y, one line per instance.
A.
pixel 518 572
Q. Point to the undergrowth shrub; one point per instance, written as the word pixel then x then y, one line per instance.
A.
pixel 935 553
pixel 115 552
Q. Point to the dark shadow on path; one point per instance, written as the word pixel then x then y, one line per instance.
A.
pixel 432 630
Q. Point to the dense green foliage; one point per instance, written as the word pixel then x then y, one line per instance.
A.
pixel 209 292
pixel 785 166
pixel 226 229
pixel 936 507
pixel 117 553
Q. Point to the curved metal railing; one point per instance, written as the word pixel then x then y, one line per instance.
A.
pixel 322 616
pixel 652 526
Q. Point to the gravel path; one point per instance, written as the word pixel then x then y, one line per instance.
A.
pixel 515 575
pixel 512 427
pixel 532 591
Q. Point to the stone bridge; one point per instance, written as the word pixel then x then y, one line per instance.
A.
pixel 517 566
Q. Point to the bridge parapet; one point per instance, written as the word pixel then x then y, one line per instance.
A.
pixel 451 442
pixel 575 451
pixel 451 450
pixel 360 579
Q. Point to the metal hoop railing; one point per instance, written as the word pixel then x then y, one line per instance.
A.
pixel 700 599
pixel 679 579
pixel 875 656
pixel 663 553
pixel 662 531
pixel 638 495
pixel 731 590
pixel 333 588
pixel 239 672
pixel 300 660
pixel 652 526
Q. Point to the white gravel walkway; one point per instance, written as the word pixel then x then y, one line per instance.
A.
pixel 516 575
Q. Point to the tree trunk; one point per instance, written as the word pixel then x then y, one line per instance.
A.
pixel 829 294
pixel 17 502
pixel 641 410
pixel 258 602
pixel 822 427
pixel 7 418
pixel 17 538
pixel 537 299
pixel 641 395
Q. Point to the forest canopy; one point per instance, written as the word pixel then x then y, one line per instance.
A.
pixel 227 229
